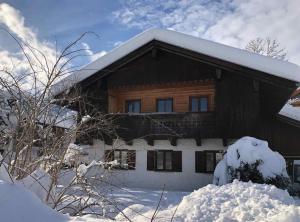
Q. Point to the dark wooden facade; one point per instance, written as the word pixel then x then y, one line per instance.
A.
pixel 246 101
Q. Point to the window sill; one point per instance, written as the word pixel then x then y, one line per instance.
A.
pixel 206 172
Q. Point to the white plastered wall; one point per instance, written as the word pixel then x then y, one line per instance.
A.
pixel 187 180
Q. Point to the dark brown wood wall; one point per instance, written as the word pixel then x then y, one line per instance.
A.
pixel 237 106
pixel 163 68
pixel 281 136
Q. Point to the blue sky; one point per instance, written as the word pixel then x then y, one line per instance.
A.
pixel 232 22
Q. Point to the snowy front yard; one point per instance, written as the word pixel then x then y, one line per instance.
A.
pixel 25 199
pixel 237 201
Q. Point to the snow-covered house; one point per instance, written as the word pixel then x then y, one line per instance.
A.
pixel 57 117
pixel 179 101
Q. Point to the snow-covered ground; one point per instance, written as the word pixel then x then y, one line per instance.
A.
pixel 237 201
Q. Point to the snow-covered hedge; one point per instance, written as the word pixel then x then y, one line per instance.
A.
pixel 250 159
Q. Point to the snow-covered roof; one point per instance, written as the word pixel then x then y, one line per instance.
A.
pixel 290 111
pixel 241 57
pixel 60 117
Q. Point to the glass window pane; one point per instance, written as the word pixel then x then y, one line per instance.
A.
pixel 133 106
pixel 160 160
pixel 168 160
pixel 160 106
pixel 117 156
pixel 297 173
pixel 129 107
pixel 137 106
pixel 194 105
pixel 164 105
pixel 219 157
pixel 124 159
pixel 168 105
pixel 210 161
pixel 203 104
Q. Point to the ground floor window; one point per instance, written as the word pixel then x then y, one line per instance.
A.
pixel 206 161
pixel 125 158
pixel 164 160
pixel 293 169
pixel 296 173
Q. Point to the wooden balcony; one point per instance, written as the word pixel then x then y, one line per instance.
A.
pixel 172 126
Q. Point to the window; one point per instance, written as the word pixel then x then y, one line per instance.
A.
pixel 296 173
pixel 164 105
pixel 133 106
pixel 125 158
pixel 199 104
pixel 164 160
pixel 206 161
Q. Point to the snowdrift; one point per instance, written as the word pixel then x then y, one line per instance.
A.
pixel 237 201
pixel 18 204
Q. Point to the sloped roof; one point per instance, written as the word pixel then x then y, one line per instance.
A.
pixel 241 57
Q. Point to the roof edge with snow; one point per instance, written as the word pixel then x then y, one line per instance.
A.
pixel 237 56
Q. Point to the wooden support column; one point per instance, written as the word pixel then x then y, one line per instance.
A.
pixel 173 141
pixel 129 142
pixel 198 141
pixel 225 142
pixel 150 141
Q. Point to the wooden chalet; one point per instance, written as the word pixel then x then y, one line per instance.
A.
pixel 171 87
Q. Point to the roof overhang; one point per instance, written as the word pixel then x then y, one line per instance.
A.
pixel 267 65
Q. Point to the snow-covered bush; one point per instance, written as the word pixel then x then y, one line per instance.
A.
pixel 250 159
pixel 75 155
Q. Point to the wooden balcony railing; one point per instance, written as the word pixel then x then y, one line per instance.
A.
pixel 171 126
pixel 153 126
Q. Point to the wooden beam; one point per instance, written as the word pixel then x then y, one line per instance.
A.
pixel 173 141
pixel 218 74
pixel 154 53
pixel 150 141
pixel 198 141
pixel 129 142
pixel 225 142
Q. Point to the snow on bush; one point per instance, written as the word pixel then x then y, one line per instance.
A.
pixel 17 203
pixel 75 155
pixel 237 201
pixel 250 159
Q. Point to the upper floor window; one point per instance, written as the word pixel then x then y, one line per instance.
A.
pixel 164 105
pixel 199 104
pixel 133 106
